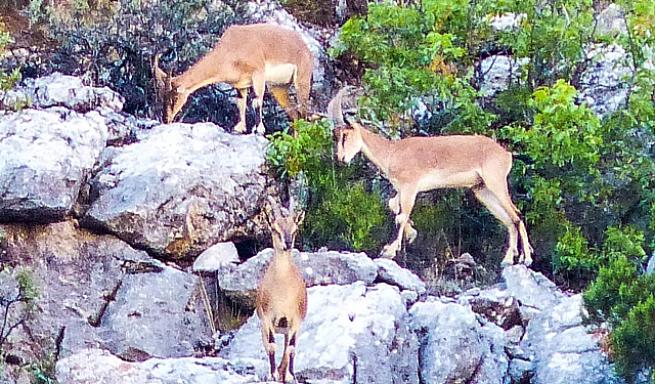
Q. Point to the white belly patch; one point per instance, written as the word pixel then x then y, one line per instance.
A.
pixel 279 73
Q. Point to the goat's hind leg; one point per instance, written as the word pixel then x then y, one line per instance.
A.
pixel 495 206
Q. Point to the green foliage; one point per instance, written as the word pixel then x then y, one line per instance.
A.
pixel 28 290
pixel 552 36
pixel 341 211
pixel 307 151
pixel 408 51
pixel 348 214
pixel 564 143
pixel 627 241
pixel 624 298
pixel 634 339
pixel 572 252
pixel 7 80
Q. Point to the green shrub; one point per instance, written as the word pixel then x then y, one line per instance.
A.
pixel 633 340
pixel 342 212
pixel 572 253
pixel 7 80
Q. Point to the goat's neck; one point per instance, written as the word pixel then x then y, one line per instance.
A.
pixel 282 259
pixel 376 148
pixel 206 71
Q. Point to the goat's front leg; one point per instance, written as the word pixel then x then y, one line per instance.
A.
pixel 242 102
pixel 410 232
pixel 268 338
pixel 259 86
pixel 394 204
pixel 406 196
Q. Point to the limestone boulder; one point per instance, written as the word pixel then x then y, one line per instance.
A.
pixel 181 189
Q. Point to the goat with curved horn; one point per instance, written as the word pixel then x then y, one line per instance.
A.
pixel 281 303
pixel 419 164
pixel 246 56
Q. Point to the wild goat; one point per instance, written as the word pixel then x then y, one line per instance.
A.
pixel 281 296
pixel 419 164
pixel 245 56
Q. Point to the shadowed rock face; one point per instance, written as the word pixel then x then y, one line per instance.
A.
pixel 97 291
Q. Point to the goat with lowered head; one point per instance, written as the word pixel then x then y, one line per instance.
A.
pixel 281 303
pixel 256 55
pixel 419 164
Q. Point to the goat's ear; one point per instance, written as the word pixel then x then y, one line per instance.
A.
pixel 275 209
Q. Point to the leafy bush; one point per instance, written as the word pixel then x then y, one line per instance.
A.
pixel 342 212
pixel 408 51
pixel 625 299
pixel 7 80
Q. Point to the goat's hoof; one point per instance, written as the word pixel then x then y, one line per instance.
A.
pixel 260 129
pixel 240 128
pixel 388 252
pixel 506 263
pixel 410 235
pixel 527 262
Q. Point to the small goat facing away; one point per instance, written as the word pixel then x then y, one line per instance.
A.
pixel 245 56
pixel 419 164
pixel 281 303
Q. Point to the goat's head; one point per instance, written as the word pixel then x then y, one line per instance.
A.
pixel 348 136
pixel 169 95
pixel 349 142
pixel 284 225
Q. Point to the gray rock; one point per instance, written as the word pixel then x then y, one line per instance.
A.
pixel 215 256
pixel 473 354
pixel 499 71
pixel 391 273
pixel 520 370
pixel 611 21
pixel 532 289
pixel 506 21
pixel 650 268
pixel 409 297
pixel 100 367
pixel 504 312
pixel 603 84
pixel 45 156
pixel 181 189
pixel 58 90
pixel 319 268
pixel 155 315
pixel 351 334
pixel 96 291
pixel 563 350
pixel 495 363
